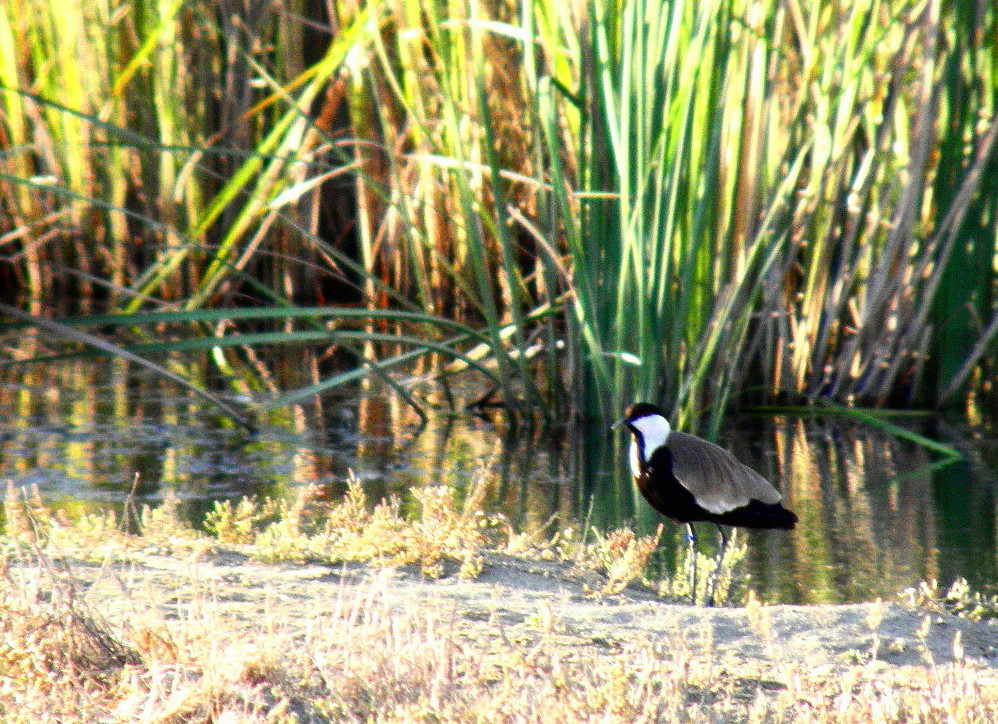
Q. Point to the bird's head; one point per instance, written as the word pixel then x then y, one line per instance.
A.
pixel 647 423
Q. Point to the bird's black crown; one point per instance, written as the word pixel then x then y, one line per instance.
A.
pixel 641 409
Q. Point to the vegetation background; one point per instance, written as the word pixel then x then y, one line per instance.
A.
pixel 581 202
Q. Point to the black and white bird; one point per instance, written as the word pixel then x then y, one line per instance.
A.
pixel 689 480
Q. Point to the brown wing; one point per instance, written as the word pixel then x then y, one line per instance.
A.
pixel 717 480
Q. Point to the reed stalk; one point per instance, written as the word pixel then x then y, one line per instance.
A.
pixel 689 202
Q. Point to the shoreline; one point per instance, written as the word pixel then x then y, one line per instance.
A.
pixel 225 633
pixel 444 617
pixel 518 592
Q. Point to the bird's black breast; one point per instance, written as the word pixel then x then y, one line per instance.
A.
pixel 664 492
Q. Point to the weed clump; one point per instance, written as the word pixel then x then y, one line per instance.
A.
pixel 51 641
pixel 441 539
pixel 958 600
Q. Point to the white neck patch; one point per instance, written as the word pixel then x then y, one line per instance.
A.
pixel 654 431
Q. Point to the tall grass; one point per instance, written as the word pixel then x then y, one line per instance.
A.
pixel 774 224
pixel 691 202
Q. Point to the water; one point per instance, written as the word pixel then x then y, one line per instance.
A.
pixel 878 514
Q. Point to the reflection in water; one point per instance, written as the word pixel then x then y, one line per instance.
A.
pixel 877 514
pixel 864 504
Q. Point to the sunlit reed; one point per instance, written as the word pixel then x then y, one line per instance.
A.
pixel 689 202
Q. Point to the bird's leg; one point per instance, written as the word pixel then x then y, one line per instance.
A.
pixel 712 581
pixel 691 562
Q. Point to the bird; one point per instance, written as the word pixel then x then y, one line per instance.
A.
pixel 691 480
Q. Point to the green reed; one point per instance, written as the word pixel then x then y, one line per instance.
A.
pixel 688 202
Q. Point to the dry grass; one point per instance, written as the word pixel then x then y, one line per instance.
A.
pixel 57 657
pixel 362 655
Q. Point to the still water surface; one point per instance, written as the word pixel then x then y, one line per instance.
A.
pixel 877 514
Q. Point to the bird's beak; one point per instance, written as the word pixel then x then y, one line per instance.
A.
pixel 618 423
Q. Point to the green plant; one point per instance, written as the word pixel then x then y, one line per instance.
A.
pixel 693 202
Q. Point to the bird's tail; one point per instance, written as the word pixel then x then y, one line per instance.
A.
pixel 779 517
pixel 762 515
